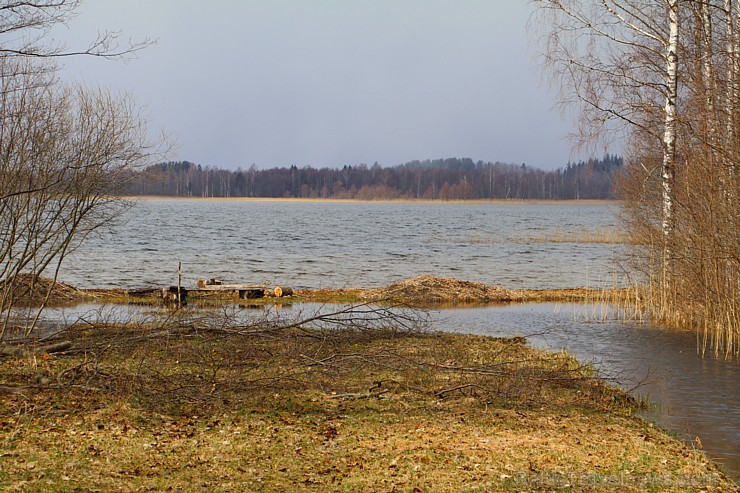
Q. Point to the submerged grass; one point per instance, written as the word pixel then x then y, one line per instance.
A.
pixel 589 235
pixel 188 407
pixel 579 235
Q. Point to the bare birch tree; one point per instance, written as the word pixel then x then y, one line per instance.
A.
pixel 618 64
pixel 664 73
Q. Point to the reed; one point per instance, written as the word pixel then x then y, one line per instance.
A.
pixel 613 236
pixel 597 235
pixel 689 260
pixel 691 296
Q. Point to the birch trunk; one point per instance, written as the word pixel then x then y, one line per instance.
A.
pixel 669 132
pixel 733 87
pixel 710 92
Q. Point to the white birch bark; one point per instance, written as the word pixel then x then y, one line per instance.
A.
pixel 669 131
pixel 710 92
pixel 730 46
pixel 733 84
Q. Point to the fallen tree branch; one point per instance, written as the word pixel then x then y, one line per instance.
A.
pixel 441 393
pixel 51 349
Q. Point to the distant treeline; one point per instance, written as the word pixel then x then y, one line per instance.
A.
pixel 439 179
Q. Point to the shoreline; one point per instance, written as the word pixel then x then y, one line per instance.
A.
pixel 327 411
pixel 413 295
pixel 420 292
pixel 378 201
pixel 432 403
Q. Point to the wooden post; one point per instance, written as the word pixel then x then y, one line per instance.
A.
pixel 179 284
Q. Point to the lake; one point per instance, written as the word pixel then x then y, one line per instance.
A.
pixel 338 244
pixel 348 244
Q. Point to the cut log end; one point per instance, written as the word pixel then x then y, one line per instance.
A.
pixel 280 292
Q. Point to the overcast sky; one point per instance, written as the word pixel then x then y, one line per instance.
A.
pixel 332 82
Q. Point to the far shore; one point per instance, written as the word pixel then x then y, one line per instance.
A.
pixel 391 201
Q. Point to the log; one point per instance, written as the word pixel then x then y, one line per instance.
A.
pixel 249 294
pixel 11 351
pixel 280 292
pixel 203 283
pixel 22 351
pixel 232 287
pixel 57 348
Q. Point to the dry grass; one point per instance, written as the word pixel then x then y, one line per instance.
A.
pixel 187 407
pixel 607 235
pixel 29 289
pixel 580 235
pixel 431 291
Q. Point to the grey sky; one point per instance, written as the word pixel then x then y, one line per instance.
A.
pixel 332 82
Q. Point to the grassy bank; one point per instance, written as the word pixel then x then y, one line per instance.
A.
pixel 199 405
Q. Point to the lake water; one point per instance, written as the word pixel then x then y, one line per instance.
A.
pixel 689 395
pixel 322 244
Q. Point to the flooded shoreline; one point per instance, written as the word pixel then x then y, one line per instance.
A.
pixel 690 396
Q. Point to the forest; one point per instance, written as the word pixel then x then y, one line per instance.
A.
pixel 438 179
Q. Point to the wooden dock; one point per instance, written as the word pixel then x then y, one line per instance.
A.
pixel 244 291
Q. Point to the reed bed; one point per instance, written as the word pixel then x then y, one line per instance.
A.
pixel 607 236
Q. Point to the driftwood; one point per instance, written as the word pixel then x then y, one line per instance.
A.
pixel 229 287
pixel 50 349
pixel 202 283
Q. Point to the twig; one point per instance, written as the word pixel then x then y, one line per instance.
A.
pixel 353 396
pixel 441 393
